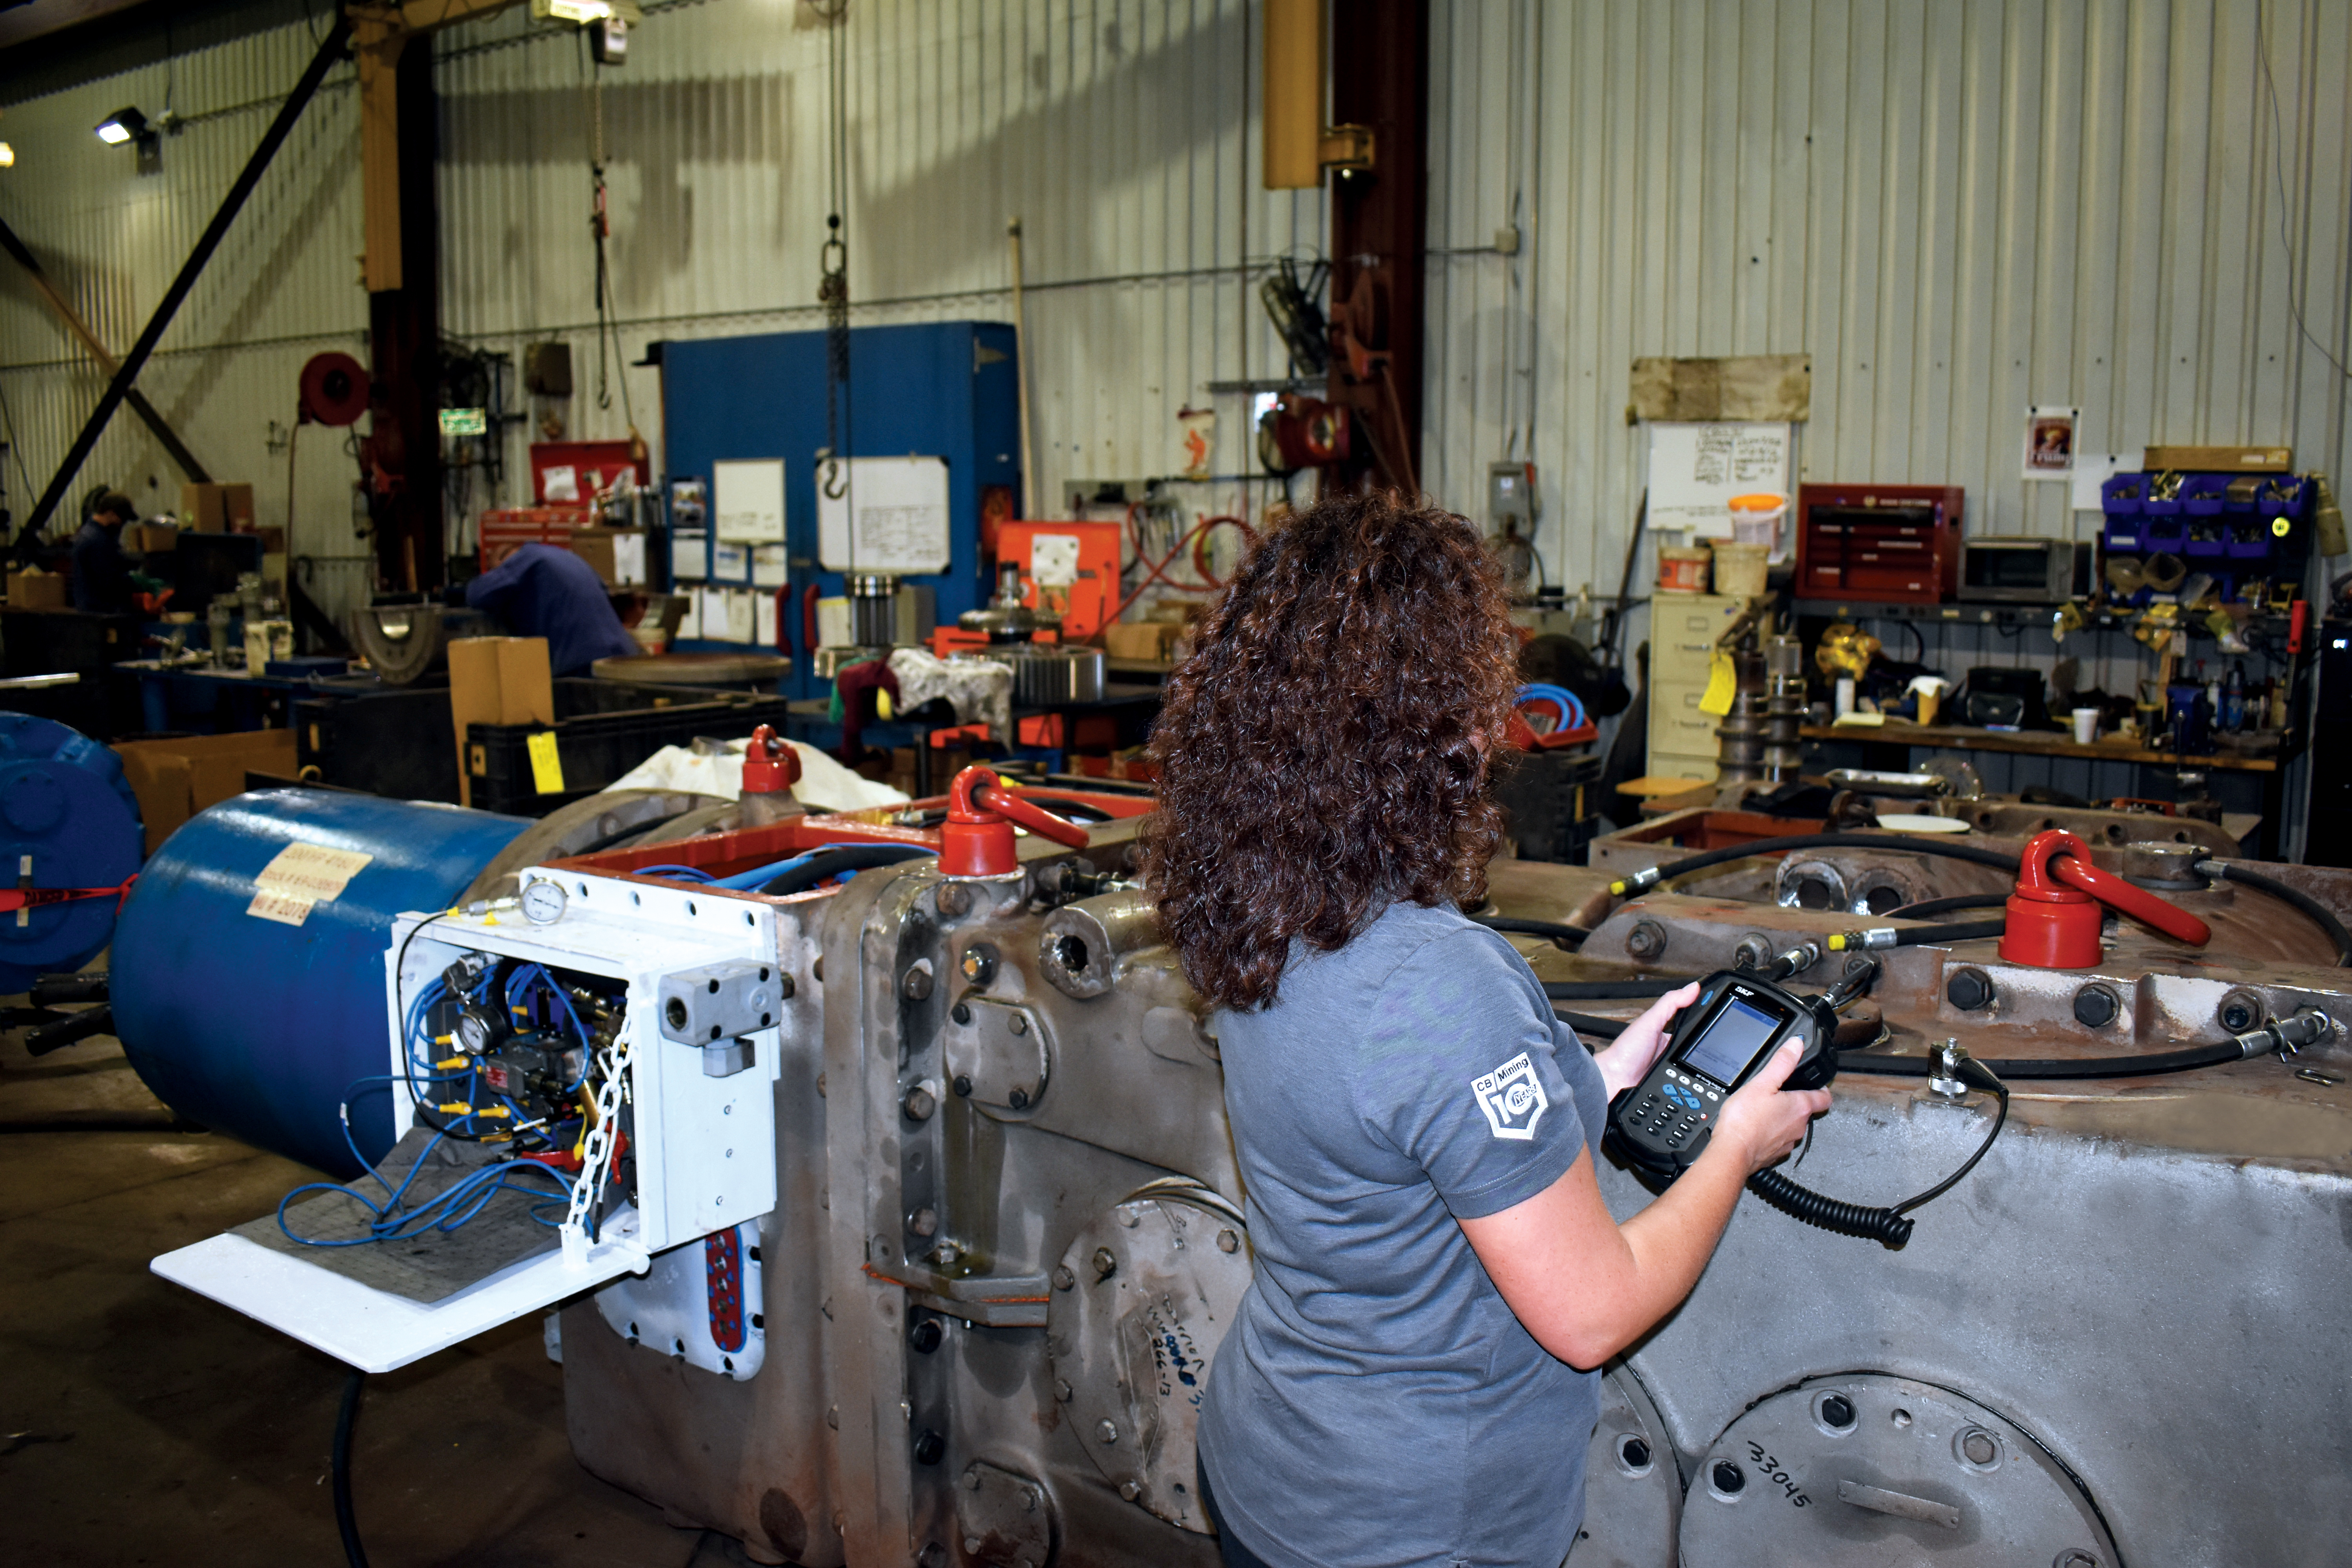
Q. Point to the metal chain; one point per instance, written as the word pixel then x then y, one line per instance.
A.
pixel 833 257
pixel 619 1060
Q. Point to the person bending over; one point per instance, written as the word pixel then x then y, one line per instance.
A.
pixel 1410 1379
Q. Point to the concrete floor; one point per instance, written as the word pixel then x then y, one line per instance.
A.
pixel 140 1423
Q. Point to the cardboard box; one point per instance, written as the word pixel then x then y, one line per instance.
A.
pixel 2220 459
pixel 216 508
pixel 174 779
pixel 496 680
pixel 151 537
pixel 618 554
pixel 1148 640
pixel 35 589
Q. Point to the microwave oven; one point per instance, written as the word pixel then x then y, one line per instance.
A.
pixel 2019 570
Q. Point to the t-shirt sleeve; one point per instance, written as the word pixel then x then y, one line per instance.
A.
pixel 1460 1075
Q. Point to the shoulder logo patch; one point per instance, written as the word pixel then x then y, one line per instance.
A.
pixel 1512 1097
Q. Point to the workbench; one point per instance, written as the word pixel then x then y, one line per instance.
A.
pixel 812 724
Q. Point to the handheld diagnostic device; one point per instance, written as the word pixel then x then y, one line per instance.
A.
pixel 1664 1122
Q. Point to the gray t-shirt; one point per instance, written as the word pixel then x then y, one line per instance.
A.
pixel 1377 1402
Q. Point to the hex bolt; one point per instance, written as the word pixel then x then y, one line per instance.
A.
pixel 978 964
pixel 946 1254
pixel 1063 1278
pixel 1970 990
pixel 1837 1411
pixel 1107 1431
pixel 1017 1024
pixel 1634 1452
pixel 925 1337
pixel 1062 1390
pixel 960 1013
pixel 929 1448
pixel 933 1555
pixel 972 1482
pixel 2096 1006
pixel 1727 1478
pixel 1106 1263
pixel 924 1221
pixel 1978 1446
pixel 954 899
pixel 2073 1558
pixel 2239 1013
pixel 1646 940
pixel 916 986
pixel 1018 1100
pixel 1228 1242
pixel 1129 1490
pixel 920 1103
pixel 962 1085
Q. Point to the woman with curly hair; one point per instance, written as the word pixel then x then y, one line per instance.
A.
pixel 1408 1381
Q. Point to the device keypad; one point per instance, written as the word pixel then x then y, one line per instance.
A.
pixel 1676 1111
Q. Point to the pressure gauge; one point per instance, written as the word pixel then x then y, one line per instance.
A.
pixel 542 903
pixel 475 1031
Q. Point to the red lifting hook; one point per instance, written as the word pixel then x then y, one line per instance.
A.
pixel 976 841
pixel 2055 926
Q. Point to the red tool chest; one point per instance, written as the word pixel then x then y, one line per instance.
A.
pixel 1898 545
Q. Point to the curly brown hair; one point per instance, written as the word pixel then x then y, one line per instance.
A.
pixel 1324 751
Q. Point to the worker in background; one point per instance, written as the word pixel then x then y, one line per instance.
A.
pixel 1410 1378
pixel 541 591
pixel 102 571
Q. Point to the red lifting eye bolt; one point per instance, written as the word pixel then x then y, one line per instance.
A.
pixel 976 840
pixel 770 766
pixel 2054 910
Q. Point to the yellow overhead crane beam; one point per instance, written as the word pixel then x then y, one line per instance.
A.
pixel 380 31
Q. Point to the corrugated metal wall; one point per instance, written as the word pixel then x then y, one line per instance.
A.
pixel 283 286
pixel 1958 209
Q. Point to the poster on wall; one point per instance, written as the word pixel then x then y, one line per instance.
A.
pixel 2050 442
pixel 748 501
pixel 1697 468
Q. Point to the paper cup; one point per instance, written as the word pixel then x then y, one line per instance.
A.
pixel 2086 725
pixel 1928 702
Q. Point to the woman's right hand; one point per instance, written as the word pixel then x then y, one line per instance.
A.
pixel 1761 1123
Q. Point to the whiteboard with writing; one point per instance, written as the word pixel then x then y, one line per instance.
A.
pixel 899 508
pixel 747 501
pixel 1696 469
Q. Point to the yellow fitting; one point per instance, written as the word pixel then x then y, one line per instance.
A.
pixel 1616 890
pixel 459 1108
pixel 451 1062
pixel 1837 943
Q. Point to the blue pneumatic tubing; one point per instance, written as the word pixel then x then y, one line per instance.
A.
pixel 255 1028
pixel 1571 712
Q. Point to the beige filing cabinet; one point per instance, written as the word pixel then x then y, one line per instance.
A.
pixel 1683 629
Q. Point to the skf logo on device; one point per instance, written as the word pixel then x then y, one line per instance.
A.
pixel 1512 1096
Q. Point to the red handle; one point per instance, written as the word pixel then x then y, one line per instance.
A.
pixel 2137 902
pixel 976 840
pixel 986 793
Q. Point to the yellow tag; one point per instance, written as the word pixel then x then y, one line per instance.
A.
pixel 546 767
pixel 2281 526
pixel 1722 684
pixel 881 702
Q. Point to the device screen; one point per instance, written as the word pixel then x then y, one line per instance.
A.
pixel 1731 1040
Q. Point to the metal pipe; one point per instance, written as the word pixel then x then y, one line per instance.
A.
pixel 329 51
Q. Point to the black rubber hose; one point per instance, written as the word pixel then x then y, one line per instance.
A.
pixel 1830 1214
pixel 1586 1023
pixel 1908 844
pixel 1927 907
pixel 1950 931
pixel 2048 1068
pixel 81 1026
pixel 346 1520
pixel 2321 915
pixel 1517 927
pixel 832 860
pixel 1611 990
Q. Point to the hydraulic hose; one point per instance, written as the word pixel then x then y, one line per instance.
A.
pixel 1927 907
pixel 1914 936
pixel 1908 844
pixel 832 860
pixel 1532 927
pixel 2286 1034
pixel 1611 990
pixel 2321 915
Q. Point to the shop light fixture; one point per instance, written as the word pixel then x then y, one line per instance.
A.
pixel 122 125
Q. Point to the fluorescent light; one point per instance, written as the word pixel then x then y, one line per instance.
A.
pixel 7 156
pixel 577 10
pixel 122 125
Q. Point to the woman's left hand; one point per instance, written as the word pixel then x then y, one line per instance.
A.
pixel 1623 1064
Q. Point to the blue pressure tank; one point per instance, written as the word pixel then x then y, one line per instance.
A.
pixel 245 1010
pixel 67 820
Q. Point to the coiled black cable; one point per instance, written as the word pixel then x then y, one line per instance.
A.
pixel 1828 1213
pixel 2321 915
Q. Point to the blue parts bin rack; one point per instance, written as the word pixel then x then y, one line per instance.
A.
pixel 2238 527
pixel 257 1028
pixel 67 820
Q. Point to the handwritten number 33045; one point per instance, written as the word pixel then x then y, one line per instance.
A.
pixel 1777 1477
